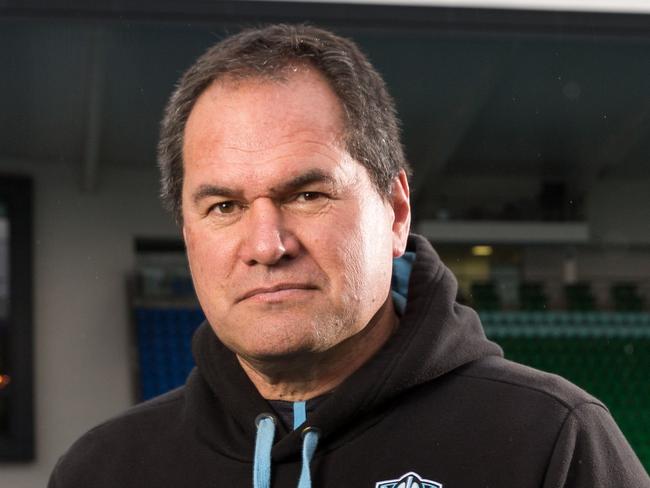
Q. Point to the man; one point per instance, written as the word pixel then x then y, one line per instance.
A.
pixel 324 362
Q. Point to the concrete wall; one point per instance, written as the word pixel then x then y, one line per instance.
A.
pixel 619 211
pixel 82 254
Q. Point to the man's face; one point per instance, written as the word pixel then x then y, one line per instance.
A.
pixel 289 244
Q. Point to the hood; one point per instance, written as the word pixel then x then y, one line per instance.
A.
pixel 436 335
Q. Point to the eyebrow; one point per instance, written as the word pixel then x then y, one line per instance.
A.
pixel 309 177
pixel 205 191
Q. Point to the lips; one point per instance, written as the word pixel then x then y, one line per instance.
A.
pixel 268 290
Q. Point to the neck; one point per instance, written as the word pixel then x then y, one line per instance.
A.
pixel 308 375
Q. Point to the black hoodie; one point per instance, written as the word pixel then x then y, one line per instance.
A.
pixel 437 406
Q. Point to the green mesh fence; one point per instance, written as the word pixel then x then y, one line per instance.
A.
pixel 607 354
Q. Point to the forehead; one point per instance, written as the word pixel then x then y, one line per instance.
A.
pixel 255 114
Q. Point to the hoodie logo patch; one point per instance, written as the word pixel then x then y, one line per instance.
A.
pixel 408 480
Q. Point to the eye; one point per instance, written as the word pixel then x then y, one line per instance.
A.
pixel 308 201
pixel 226 207
pixel 309 196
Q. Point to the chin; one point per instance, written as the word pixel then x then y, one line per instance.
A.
pixel 283 335
pixel 269 340
pixel 282 347
pixel 283 353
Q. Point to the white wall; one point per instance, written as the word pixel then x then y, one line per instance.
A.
pixel 83 252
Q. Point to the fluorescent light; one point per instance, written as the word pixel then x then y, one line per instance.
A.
pixel 482 250
pixel 613 6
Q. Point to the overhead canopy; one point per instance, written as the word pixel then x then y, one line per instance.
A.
pixel 516 98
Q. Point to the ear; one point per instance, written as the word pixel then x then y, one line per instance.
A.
pixel 402 211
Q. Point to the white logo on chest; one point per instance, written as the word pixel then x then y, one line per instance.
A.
pixel 408 480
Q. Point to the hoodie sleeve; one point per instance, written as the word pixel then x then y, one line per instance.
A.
pixel 591 452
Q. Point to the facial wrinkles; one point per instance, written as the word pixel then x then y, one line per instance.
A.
pixel 261 163
pixel 257 123
pixel 349 322
pixel 273 137
pixel 353 281
pixel 258 179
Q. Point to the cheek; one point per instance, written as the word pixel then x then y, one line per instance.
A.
pixel 351 250
pixel 375 248
pixel 207 257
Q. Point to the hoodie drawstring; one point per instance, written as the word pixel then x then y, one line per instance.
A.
pixel 309 444
pixel 263 444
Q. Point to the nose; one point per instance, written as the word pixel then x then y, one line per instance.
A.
pixel 266 239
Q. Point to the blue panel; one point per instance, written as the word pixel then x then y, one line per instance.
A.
pixel 164 338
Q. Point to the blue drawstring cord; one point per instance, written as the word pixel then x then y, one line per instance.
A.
pixel 299 414
pixel 263 444
pixel 309 444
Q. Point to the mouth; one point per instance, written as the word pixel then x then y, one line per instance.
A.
pixel 277 292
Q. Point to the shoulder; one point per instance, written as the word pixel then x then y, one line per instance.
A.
pixel 121 439
pixel 148 415
pixel 516 381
